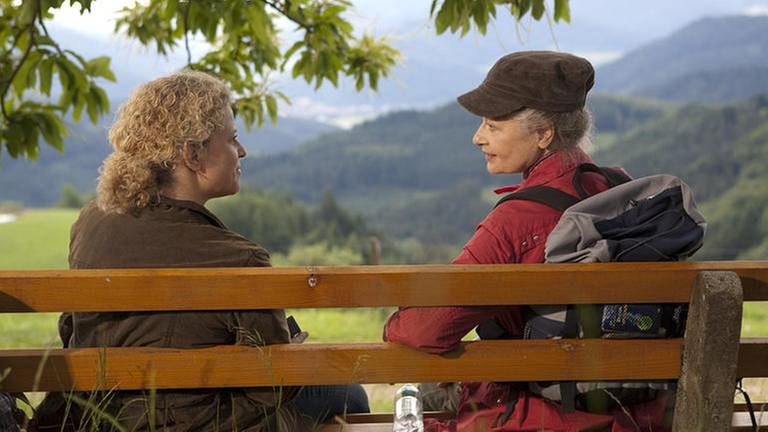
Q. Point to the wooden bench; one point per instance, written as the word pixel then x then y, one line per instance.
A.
pixel 707 362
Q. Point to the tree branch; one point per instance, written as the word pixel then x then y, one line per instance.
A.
pixel 45 32
pixel 284 12
pixel 186 33
pixel 7 85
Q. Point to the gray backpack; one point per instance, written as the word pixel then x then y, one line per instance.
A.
pixel 648 219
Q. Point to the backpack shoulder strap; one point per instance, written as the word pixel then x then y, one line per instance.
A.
pixel 550 197
pixel 560 200
pixel 613 176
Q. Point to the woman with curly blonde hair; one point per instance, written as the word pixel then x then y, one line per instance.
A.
pixel 161 138
pixel 176 147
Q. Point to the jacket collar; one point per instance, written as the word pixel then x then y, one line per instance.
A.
pixel 192 207
pixel 548 168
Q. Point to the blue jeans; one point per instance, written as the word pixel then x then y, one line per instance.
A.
pixel 323 401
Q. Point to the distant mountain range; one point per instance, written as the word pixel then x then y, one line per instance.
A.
pixel 712 59
pixel 415 174
pixel 39 183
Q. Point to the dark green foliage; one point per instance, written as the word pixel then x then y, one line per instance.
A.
pixel 244 48
pixel 738 221
pixel 699 143
pixel 447 217
pixel 273 220
pixel 71 198
pixel 333 225
pixel 279 223
pixel 32 60
pixel 619 114
pixel 405 150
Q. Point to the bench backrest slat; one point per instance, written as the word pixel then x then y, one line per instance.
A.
pixel 237 366
pixel 363 286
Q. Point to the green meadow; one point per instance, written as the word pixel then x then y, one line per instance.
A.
pixel 38 240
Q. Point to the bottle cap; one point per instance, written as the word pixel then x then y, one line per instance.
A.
pixel 408 390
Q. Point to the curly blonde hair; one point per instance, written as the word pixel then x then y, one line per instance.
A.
pixel 160 118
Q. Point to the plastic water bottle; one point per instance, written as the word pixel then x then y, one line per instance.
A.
pixel 408 412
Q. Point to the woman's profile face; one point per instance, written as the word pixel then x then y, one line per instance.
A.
pixel 220 174
pixel 508 146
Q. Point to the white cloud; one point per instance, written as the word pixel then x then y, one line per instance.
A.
pixel 757 10
pixel 598 58
pixel 100 21
pixel 343 116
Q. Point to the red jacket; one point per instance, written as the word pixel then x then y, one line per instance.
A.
pixel 514 232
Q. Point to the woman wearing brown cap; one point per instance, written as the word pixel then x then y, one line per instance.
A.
pixel 175 148
pixel 533 121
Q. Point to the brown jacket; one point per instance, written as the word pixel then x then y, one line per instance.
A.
pixel 177 234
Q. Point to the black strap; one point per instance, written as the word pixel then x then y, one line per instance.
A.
pixel 568 396
pixel 571 324
pixel 613 176
pixel 511 402
pixel 546 195
pixel 750 408
pixel 560 200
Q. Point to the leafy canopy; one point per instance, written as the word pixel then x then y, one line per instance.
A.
pixel 40 82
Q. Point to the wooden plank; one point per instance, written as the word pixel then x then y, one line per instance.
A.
pixel 359 427
pixel 321 287
pixel 386 417
pixel 237 366
pixel 753 358
pixel 742 422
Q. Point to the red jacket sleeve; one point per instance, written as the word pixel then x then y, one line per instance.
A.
pixel 485 247
pixel 440 329
pixel 435 329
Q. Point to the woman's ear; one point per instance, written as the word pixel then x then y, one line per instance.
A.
pixel 192 158
pixel 545 136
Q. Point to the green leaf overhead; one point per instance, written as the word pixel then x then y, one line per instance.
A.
pixel 243 47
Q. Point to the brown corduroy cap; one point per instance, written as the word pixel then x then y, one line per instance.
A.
pixel 543 80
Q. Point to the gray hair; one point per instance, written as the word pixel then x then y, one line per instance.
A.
pixel 573 129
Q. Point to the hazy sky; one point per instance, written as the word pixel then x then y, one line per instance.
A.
pixel 601 30
pixel 665 14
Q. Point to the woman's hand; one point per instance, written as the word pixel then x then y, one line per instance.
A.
pixel 299 337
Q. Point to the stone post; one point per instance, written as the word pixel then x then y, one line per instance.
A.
pixel 710 355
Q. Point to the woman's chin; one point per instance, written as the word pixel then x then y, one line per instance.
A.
pixel 493 169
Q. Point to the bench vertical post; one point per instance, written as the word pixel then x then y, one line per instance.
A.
pixel 705 390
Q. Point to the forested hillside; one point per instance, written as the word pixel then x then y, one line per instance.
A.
pixel 407 152
pixel 415 175
pixel 39 183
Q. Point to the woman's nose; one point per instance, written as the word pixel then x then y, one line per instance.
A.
pixel 240 150
pixel 477 138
